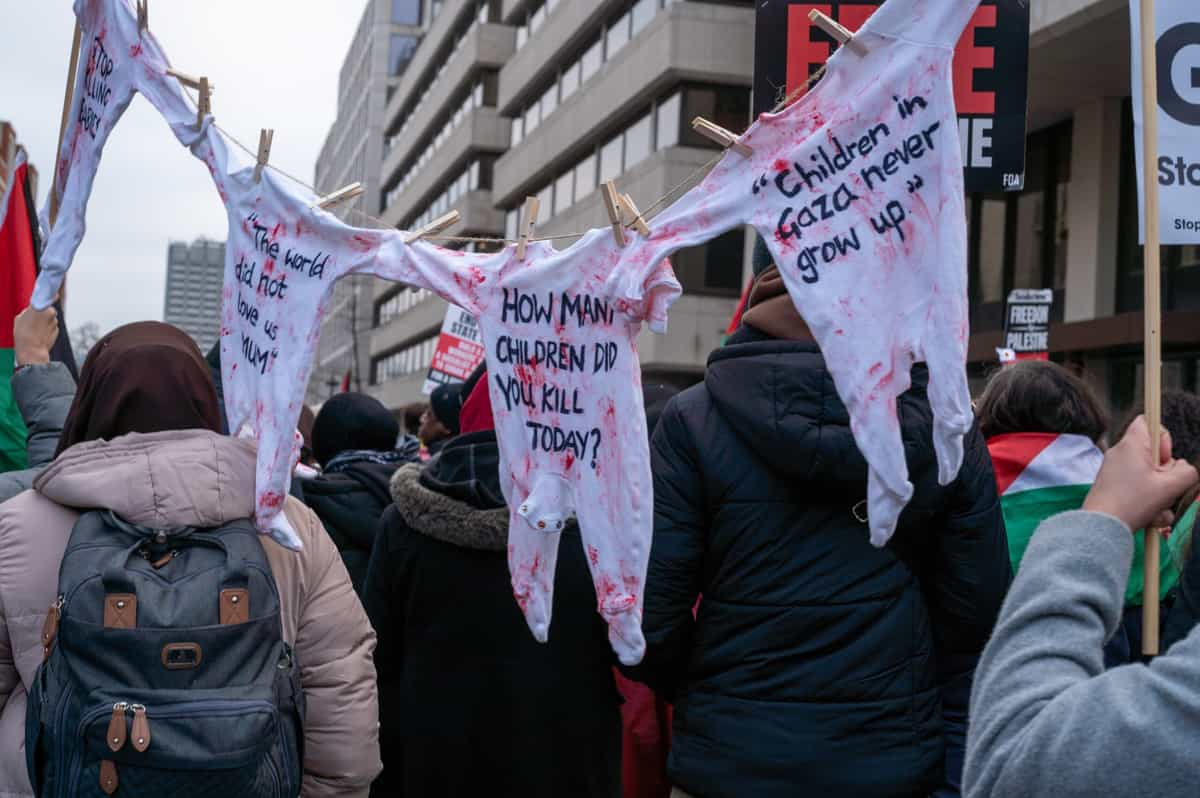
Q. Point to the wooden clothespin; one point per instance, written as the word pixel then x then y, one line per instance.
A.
pixel 721 136
pixel 265 138
pixel 433 228
pixel 143 14
pixel 631 215
pixel 528 219
pixel 204 104
pixel 344 194
pixel 840 32
pixel 8 156
pixel 612 204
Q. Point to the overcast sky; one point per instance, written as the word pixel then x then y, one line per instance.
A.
pixel 274 63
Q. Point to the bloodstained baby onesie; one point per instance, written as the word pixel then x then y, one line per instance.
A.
pixel 564 380
pixel 857 188
pixel 283 256
pixel 116 60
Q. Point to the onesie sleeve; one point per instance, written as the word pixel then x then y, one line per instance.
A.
pixel 649 289
pixel 938 23
pixel 713 207
pixel 457 277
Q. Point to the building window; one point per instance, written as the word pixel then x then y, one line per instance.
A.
pixel 667 121
pixel 536 18
pixel 643 11
pixel 409 360
pixel 570 80
pixel 400 52
pixel 564 191
pixel 616 36
pixel 532 117
pixel 518 131
pixel 1019 239
pixel 545 202
pixel 585 177
pixel 406 12
pixel 511 223
pixel 592 58
pixel 610 159
pixel 638 144
pixel 549 100
pixel 714 268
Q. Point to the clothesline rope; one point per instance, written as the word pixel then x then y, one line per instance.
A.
pixel 671 195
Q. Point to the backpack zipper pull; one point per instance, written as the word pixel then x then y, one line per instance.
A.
pixel 108 776
pixel 141 728
pixel 50 627
pixel 116 727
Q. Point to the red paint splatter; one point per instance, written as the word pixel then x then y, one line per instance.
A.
pixel 568 461
pixel 279 228
pixel 782 165
pixel 361 243
pixel 874 370
pixel 593 556
pixel 271 500
pixel 269 267
pixel 135 50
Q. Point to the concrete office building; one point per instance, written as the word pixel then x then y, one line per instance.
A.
pixel 384 43
pixel 1074 228
pixel 509 98
pixel 195 277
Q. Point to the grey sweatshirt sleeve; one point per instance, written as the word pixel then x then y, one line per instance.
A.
pixel 1046 719
pixel 44 394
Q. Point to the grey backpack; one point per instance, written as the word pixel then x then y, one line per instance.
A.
pixel 166 673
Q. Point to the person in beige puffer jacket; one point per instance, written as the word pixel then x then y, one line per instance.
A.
pixel 184 477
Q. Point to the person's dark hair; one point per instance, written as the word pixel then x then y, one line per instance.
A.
pixel 1181 416
pixel 350 422
pixel 1040 396
pixel 142 377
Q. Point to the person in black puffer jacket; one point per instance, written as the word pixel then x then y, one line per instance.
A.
pixel 357 442
pixel 470 703
pixel 816 664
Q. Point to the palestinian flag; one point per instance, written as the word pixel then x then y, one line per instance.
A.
pixel 18 271
pixel 1042 474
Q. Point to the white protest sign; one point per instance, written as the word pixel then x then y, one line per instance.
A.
pixel 459 350
pixel 1178 68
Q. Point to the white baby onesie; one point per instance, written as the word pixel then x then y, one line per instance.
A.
pixel 281 261
pixel 564 379
pixel 116 60
pixel 857 189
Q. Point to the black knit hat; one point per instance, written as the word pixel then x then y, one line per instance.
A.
pixel 350 422
pixel 446 402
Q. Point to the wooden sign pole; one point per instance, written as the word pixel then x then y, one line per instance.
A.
pixel 62 128
pixel 1152 307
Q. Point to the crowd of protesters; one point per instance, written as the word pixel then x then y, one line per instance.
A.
pixel 992 648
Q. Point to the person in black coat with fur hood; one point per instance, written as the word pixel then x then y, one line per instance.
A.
pixel 815 663
pixel 470 703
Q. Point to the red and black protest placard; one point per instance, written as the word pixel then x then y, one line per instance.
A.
pixel 991 75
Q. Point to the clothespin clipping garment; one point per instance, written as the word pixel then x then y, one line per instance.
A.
pixel 841 33
pixel 721 136
pixel 630 215
pixel 143 14
pixel 344 194
pixel 528 219
pixel 201 85
pixel 433 228
pixel 612 205
pixel 265 139
pixel 204 105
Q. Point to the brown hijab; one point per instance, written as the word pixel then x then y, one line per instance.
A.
pixel 143 377
pixel 770 309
